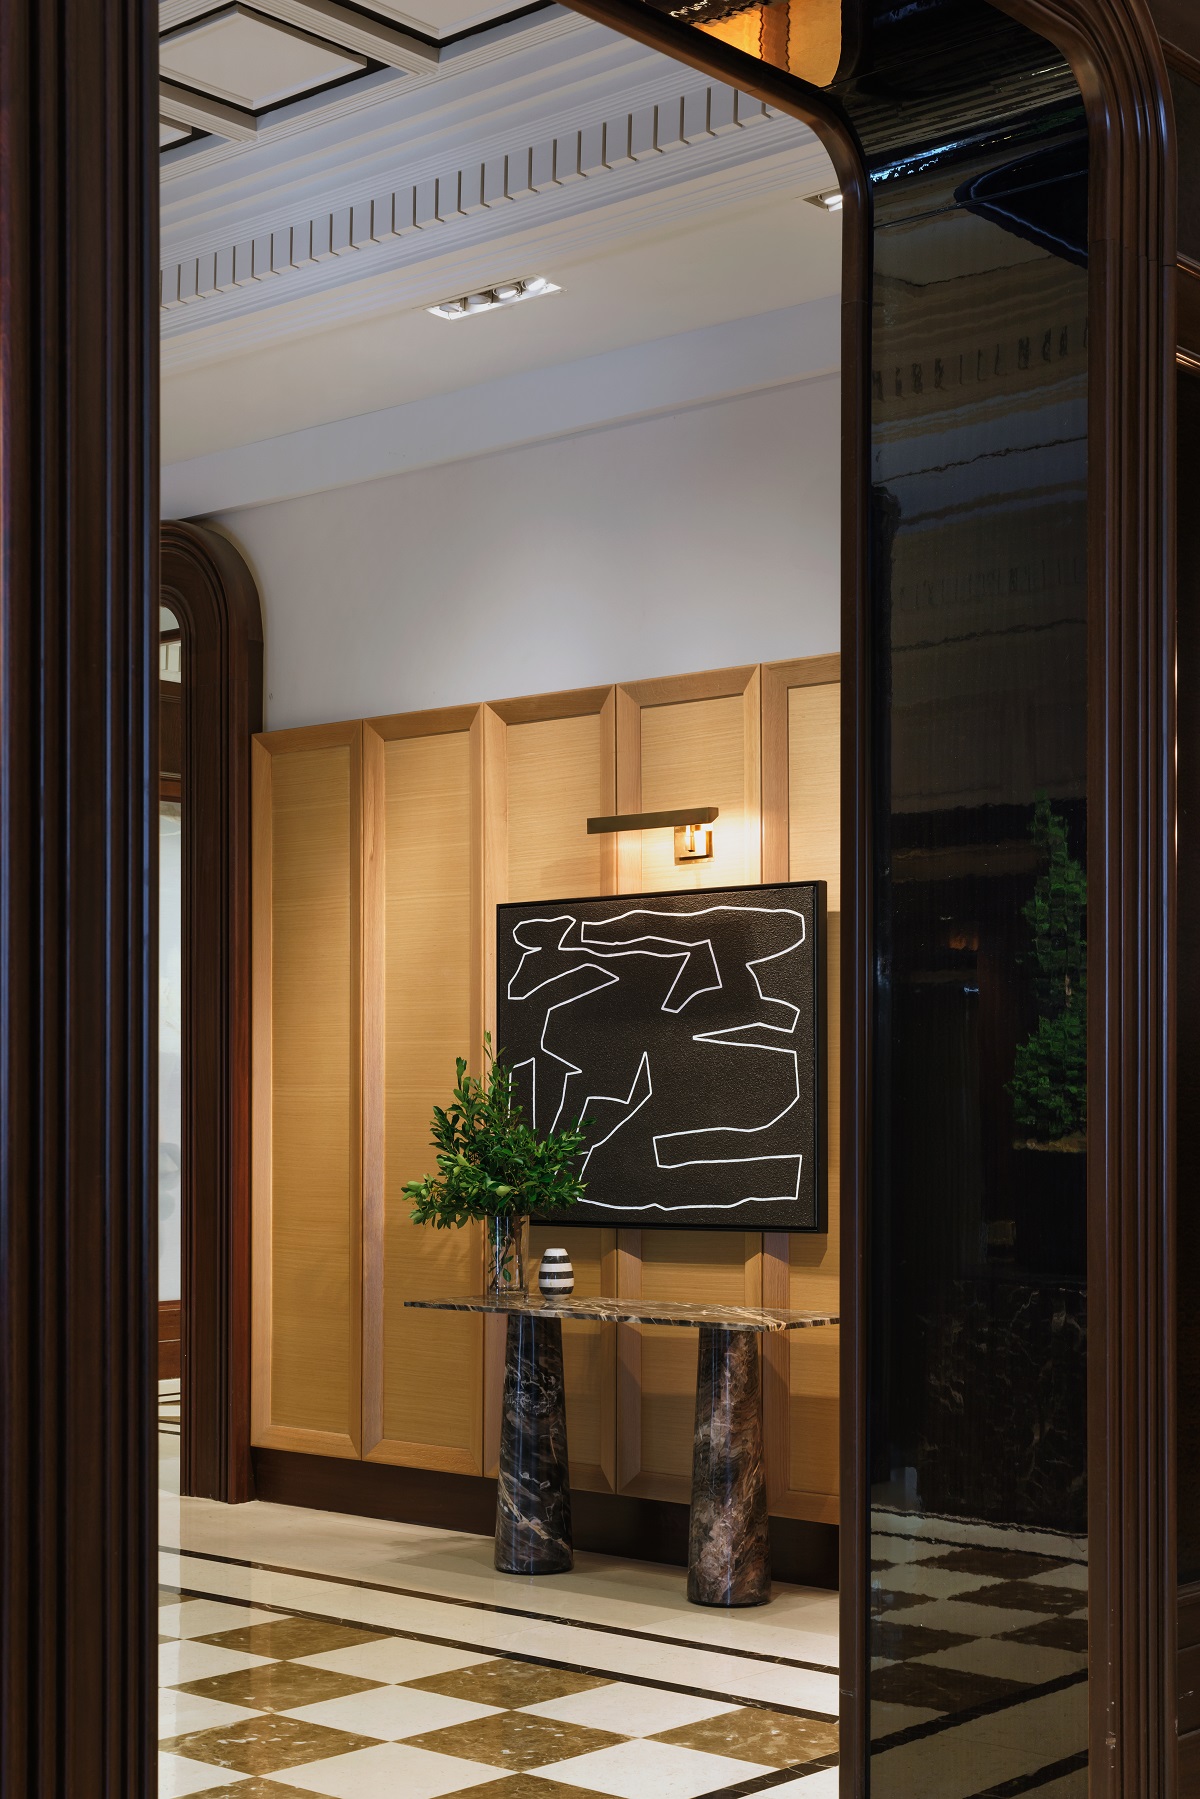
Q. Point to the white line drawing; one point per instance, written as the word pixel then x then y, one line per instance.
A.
pixel 580 957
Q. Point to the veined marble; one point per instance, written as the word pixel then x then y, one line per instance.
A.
pixel 630 1311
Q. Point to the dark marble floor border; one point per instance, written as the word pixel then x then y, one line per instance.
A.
pixel 510 1611
pixel 506 1655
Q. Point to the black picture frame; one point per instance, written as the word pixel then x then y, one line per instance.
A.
pixel 592 1020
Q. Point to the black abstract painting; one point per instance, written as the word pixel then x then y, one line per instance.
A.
pixel 688 1029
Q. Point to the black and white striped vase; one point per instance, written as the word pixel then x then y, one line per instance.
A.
pixel 556 1277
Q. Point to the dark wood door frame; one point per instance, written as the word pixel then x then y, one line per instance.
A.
pixel 212 593
pixel 78 854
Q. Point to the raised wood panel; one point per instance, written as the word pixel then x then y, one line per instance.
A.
pixel 560 773
pixel 814 779
pixel 308 1355
pixel 426 1409
pixel 695 739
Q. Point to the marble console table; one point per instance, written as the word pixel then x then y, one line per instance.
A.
pixel 729 1558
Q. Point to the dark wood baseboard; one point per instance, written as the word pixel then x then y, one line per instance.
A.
pixel 169 1339
pixel 647 1530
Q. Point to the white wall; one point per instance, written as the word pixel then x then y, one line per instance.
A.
pixel 698 539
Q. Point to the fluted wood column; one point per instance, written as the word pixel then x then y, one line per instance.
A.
pixel 78 334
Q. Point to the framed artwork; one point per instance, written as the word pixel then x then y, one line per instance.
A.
pixel 688 1029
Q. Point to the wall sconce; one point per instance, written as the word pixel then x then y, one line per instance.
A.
pixel 692 826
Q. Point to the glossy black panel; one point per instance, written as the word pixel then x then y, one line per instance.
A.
pixel 1186 96
pixel 1188 1025
pixel 978 1315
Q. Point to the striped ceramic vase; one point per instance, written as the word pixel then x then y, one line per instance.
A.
pixel 556 1276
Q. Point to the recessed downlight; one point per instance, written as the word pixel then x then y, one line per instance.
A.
pixel 487 299
pixel 829 201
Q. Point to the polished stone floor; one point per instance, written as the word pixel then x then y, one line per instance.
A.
pixel 310 1653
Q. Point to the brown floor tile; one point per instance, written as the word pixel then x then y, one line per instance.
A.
pixel 936 1689
pixel 996 1564
pixel 285 1638
pixel 1053 1633
pixel 1028 1596
pixel 279 1687
pixel 884 1600
pixel 776 1739
pixel 896 1641
pixel 515 1786
pixel 265 1745
pixel 258 1788
pixel 514 1740
pixel 508 1683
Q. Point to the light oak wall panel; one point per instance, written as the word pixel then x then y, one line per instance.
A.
pixel 802 841
pixel 427 1408
pixel 697 740
pixel 561 771
pixel 307 1358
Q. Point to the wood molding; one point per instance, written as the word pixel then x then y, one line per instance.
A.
pixel 168 1339
pixel 268 748
pixel 209 588
pixel 78 871
pixel 1187 293
pixel 1188 1681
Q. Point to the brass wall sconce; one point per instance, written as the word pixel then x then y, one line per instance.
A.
pixel 692 826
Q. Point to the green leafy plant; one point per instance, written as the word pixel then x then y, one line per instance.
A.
pixel 490 1161
pixel 1049 1084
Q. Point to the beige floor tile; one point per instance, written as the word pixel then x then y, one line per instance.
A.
pixel 630 1711
pixel 391 1771
pixel 773 1739
pixel 389 1713
pixel 515 1741
pixel 179 1713
pixel 1006 1660
pixel 201 1617
pixel 179 1662
pixel 264 1744
pixel 395 1659
pixel 646 1770
pixel 179 1778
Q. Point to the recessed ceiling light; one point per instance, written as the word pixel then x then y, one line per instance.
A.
pixel 487 299
pixel 831 201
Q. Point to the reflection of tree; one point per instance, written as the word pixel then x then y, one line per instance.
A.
pixel 1049 1084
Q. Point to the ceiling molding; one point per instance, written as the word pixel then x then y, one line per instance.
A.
pixel 383 43
pixel 184 106
pixel 650 147
pixel 692 368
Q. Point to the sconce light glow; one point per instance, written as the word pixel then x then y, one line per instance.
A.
pixel 487 299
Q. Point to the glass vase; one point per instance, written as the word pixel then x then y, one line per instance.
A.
pixel 505 1253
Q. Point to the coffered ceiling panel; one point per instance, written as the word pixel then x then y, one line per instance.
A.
pixel 170 134
pixel 249 61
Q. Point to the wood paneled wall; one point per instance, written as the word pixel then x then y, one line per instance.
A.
pixel 382 850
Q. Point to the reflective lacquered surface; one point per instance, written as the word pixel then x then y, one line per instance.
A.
pixel 975 143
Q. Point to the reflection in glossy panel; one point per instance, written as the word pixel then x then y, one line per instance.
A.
pixel 975 143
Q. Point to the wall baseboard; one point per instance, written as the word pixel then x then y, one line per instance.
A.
pixel 169 1339
pixel 648 1530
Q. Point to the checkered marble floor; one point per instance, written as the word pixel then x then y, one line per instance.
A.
pixel 981 1640
pixel 264 1704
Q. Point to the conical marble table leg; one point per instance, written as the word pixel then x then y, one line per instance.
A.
pixel 533 1493
pixel 729 1553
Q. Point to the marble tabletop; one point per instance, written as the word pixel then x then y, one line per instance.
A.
pixel 631 1311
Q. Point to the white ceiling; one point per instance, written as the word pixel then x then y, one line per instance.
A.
pixel 254 62
pixel 732 263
